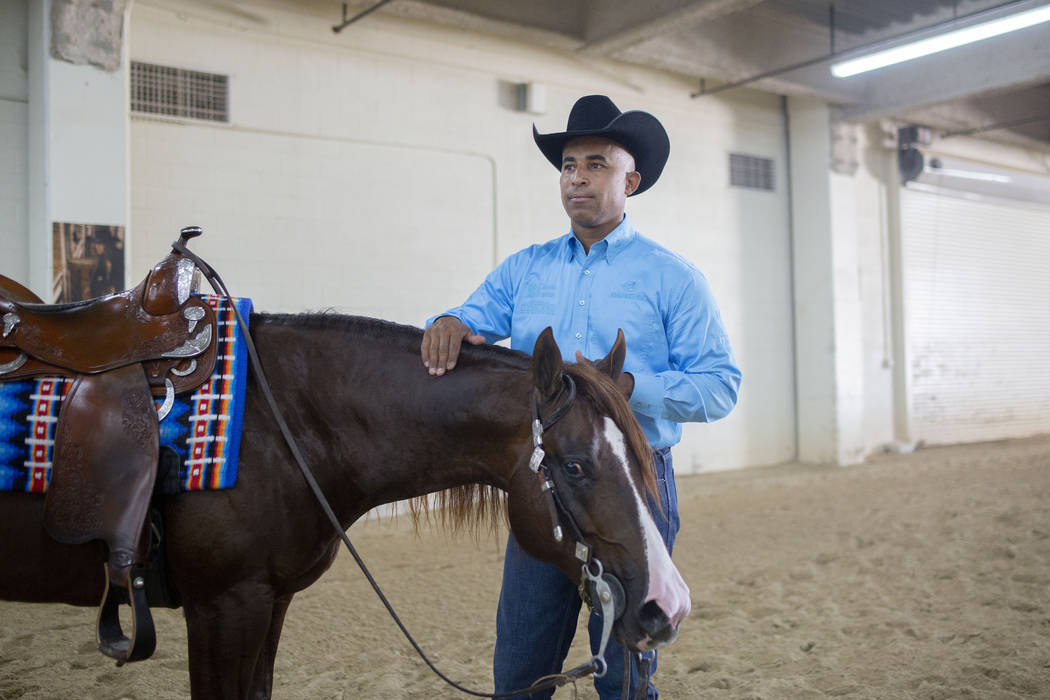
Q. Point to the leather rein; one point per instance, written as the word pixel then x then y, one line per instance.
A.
pixel 606 588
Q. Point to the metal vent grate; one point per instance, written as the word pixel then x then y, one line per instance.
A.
pixel 178 92
pixel 751 172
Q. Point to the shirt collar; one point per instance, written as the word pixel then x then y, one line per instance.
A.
pixel 618 239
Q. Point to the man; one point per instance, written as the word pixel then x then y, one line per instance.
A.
pixel 587 284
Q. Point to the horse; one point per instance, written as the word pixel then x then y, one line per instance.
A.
pixel 376 428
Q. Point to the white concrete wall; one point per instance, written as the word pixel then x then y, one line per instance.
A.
pixel 382 172
pixel 88 144
pixel 14 111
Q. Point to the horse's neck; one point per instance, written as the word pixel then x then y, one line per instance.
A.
pixel 401 432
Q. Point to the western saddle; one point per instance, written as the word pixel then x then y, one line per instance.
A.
pixel 121 350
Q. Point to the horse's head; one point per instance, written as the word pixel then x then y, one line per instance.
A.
pixel 587 484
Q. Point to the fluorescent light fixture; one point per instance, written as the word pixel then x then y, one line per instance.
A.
pixel 941 42
pixel 970 175
pixel 978 180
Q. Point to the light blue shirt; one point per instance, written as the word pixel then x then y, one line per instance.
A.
pixel 677 347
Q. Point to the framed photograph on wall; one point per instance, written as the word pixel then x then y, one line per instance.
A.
pixel 88 261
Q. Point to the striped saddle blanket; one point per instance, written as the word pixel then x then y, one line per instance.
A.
pixel 203 428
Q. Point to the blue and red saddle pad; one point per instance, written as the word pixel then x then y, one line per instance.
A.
pixel 203 428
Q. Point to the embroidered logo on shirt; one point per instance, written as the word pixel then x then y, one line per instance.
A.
pixel 534 296
pixel 533 288
pixel 629 292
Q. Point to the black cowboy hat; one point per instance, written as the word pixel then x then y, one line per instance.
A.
pixel 640 133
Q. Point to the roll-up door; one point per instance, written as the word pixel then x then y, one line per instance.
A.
pixel 977 305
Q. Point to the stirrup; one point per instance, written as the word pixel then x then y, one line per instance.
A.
pixel 110 636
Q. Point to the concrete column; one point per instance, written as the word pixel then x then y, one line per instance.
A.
pixel 14 111
pixel 77 125
pixel 828 353
pixel 902 381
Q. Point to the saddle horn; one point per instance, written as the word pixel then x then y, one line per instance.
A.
pixel 186 233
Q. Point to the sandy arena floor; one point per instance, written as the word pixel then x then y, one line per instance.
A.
pixel 913 576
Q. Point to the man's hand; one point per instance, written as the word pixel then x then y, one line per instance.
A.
pixel 442 341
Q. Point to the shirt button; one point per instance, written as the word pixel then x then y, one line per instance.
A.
pixel 581 302
pixel 586 272
pixel 579 335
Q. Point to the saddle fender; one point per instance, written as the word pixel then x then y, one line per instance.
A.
pixel 100 489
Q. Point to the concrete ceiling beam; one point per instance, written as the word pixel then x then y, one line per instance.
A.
pixel 610 29
pixel 485 24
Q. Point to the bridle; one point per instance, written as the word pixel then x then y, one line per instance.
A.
pixel 595 584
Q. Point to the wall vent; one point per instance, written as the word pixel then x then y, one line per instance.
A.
pixel 751 172
pixel 178 92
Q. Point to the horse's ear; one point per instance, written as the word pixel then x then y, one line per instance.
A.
pixel 546 363
pixel 612 364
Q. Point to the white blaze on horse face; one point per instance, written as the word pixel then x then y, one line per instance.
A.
pixel 666 586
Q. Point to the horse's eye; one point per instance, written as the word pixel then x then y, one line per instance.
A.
pixel 573 469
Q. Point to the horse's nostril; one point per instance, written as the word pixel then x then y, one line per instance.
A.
pixel 653 619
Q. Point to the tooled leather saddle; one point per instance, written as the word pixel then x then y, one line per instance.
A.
pixel 121 351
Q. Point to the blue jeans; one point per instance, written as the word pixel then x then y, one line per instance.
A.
pixel 539 606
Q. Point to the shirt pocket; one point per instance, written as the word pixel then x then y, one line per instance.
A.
pixel 638 316
pixel 535 308
pixel 537 296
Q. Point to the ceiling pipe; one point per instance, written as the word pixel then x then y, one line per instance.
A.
pixel 361 15
pixel 998 125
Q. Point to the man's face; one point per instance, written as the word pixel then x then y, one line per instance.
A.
pixel 596 176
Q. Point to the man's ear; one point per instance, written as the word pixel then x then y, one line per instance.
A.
pixel 612 364
pixel 634 179
pixel 546 364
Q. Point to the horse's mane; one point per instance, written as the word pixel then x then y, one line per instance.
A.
pixel 359 326
pixel 391 334
pixel 472 507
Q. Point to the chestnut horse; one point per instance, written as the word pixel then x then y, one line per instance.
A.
pixel 376 428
